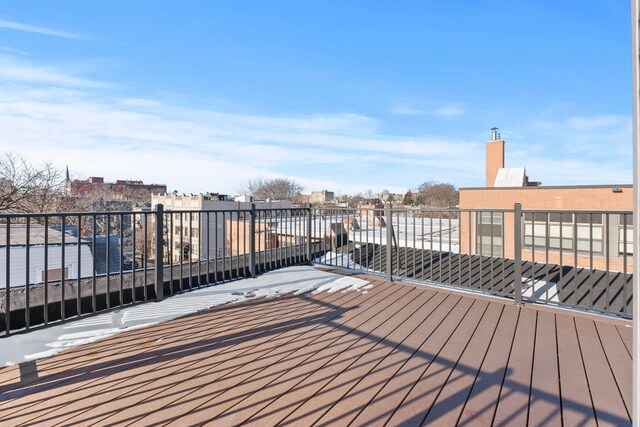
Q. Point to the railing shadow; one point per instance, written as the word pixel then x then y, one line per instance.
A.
pixel 328 316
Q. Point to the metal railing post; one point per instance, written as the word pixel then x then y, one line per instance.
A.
pixel 517 252
pixel 159 253
pixel 309 220
pixel 252 241
pixel 389 221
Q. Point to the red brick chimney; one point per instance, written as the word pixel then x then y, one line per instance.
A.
pixel 495 156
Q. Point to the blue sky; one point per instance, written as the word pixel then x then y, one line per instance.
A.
pixel 344 96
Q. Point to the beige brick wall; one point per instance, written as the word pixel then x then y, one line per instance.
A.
pixel 495 160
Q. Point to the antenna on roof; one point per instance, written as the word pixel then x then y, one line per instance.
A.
pixel 494 134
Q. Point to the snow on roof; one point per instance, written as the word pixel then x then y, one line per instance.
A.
pixel 510 177
pixel 18 235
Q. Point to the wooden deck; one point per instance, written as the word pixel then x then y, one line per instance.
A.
pixel 395 354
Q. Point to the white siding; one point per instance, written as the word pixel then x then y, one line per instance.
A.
pixel 36 263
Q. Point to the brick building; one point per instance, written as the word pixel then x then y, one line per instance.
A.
pixel 594 227
pixel 127 190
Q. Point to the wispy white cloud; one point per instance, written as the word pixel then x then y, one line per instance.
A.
pixel 449 112
pixel 51 114
pixel 203 150
pixel 13 51
pixel 21 70
pixel 19 26
pixel 408 110
pixel 595 122
pixel 589 149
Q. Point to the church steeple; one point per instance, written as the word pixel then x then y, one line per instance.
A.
pixel 67 183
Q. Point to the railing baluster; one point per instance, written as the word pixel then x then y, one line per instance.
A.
pixel 63 250
pixel 517 270
pixel 46 270
pixel 7 291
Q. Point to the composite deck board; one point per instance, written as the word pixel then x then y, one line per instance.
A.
pixel 545 398
pixel 480 407
pixel 422 396
pixel 626 333
pixel 383 406
pixel 192 406
pixel 608 403
pixel 618 358
pixel 100 385
pixel 202 368
pixel 513 404
pixel 396 354
pixel 98 363
pixel 131 340
pixel 364 389
pixel 401 325
pixel 221 388
pixel 577 405
pixel 453 396
pixel 377 328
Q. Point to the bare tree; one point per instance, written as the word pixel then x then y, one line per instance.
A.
pixel 25 187
pixel 272 189
pixel 442 195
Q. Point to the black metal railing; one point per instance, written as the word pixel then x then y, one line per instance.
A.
pixel 59 266
pixel 577 259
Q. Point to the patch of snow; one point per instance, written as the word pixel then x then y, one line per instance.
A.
pixel 539 289
pixel 297 280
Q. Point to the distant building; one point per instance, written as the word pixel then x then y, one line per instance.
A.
pixel 321 197
pixel 123 190
pixel 598 234
pixel 43 244
pixel 195 234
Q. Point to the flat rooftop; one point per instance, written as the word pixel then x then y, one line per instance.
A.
pixel 396 353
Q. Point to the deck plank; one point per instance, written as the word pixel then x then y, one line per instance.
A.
pixel 206 390
pixel 397 354
pixel 480 406
pixel 451 401
pixel 130 341
pixel 349 406
pixel 608 403
pixel 382 407
pixel 577 406
pixel 513 404
pixel 425 391
pixel 626 333
pixel 544 401
pixel 309 412
pixel 334 360
pixel 618 358
pixel 101 383
pixel 211 367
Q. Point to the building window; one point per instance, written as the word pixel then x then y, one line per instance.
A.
pixel 55 274
pixel 625 229
pixel 489 233
pixel 559 230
